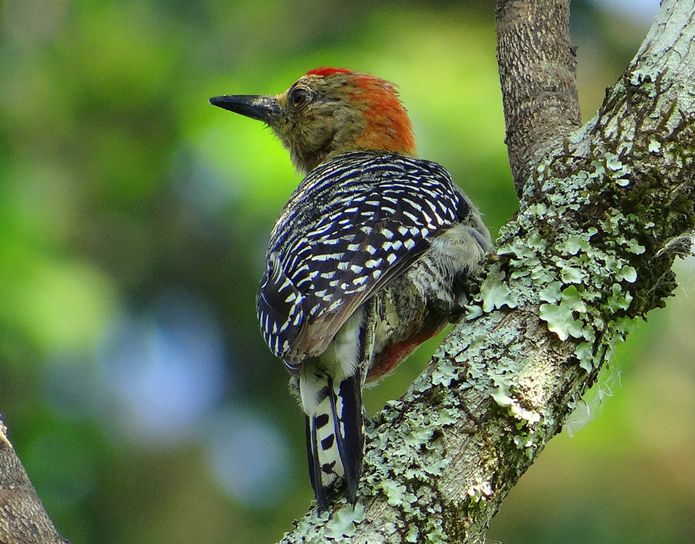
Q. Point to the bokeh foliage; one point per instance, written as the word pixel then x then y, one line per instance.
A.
pixel 133 221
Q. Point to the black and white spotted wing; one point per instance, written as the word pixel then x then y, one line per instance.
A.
pixel 353 224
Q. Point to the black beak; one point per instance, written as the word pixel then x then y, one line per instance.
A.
pixel 263 108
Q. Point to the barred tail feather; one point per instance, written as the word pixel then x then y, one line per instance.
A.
pixel 335 439
pixel 350 431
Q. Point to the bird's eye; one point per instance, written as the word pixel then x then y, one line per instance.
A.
pixel 300 97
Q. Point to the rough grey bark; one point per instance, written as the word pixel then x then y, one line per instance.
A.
pixel 603 211
pixel 537 69
pixel 23 519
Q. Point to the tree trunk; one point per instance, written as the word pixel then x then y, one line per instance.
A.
pixel 23 519
pixel 605 209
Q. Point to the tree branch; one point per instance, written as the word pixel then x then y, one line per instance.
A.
pixel 587 253
pixel 537 68
pixel 23 519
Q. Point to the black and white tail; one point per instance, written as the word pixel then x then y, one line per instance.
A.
pixel 335 432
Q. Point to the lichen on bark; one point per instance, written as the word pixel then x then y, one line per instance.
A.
pixel 590 250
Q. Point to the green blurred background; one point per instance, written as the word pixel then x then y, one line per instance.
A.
pixel 133 221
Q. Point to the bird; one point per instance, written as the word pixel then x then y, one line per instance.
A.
pixel 374 253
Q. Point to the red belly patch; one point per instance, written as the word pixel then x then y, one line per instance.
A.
pixel 392 355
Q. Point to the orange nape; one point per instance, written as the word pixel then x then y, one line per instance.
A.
pixel 386 126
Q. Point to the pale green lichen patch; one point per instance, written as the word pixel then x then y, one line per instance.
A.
pixel 619 171
pixel 551 292
pixel 401 464
pixel 654 146
pixel 434 531
pixel 413 535
pixel 632 246
pixel 501 385
pixel 444 373
pixel 561 320
pixel 524 442
pixel 528 417
pixel 627 273
pixel 495 293
pixel 397 494
pixel 572 274
pixel 344 521
pixel 584 353
pixel 578 242
pixel 308 529
pixel 565 269
pixel 479 491
pixel 504 397
pixel 619 299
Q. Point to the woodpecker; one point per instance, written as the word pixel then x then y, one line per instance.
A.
pixel 369 258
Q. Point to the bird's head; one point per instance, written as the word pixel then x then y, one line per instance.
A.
pixel 330 111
